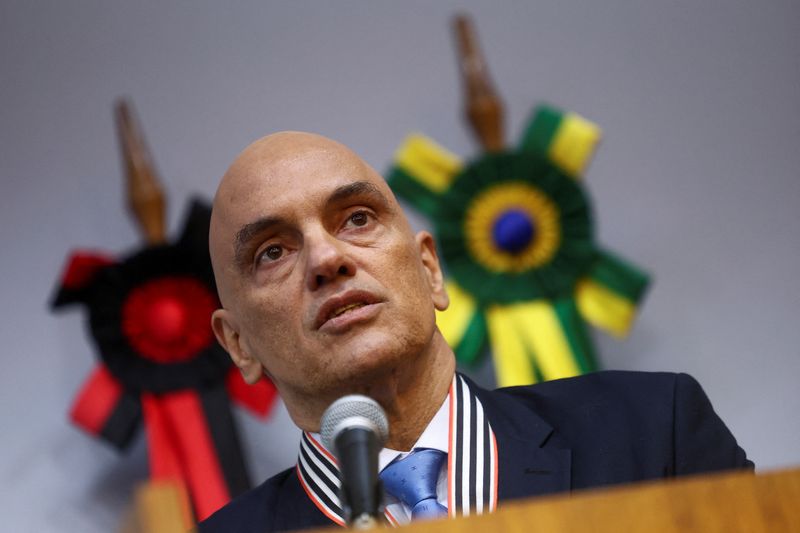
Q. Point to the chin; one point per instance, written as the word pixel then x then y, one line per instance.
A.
pixel 370 364
pixel 375 359
pixel 369 352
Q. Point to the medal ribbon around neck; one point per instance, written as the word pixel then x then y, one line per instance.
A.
pixel 471 463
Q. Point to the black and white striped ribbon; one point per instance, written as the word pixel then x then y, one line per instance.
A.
pixel 319 476
pixel 472 455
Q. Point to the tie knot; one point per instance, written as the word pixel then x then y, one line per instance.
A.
pixel 413 480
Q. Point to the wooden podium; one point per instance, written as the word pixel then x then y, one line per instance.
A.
pixel 727 502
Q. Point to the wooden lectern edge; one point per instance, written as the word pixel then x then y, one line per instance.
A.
pixel 723 501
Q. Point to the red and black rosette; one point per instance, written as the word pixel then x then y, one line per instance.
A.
pixel 150 320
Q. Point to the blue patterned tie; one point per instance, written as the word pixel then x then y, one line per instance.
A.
pixel 413 479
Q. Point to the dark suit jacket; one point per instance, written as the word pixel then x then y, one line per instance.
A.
pixel 600 429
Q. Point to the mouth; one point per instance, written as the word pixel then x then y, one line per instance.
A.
pixel 339 311
pixel 345 309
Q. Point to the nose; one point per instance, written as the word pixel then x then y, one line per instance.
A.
pixel 328 260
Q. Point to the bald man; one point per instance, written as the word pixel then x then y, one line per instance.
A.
pixel 326 289
pixel 324 286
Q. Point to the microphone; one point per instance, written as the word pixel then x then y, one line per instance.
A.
pixel 355 428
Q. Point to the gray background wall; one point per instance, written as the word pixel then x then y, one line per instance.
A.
pixel 696 179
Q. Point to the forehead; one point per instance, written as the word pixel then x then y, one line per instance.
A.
pixel 292 174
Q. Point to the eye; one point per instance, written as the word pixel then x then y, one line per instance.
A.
pixel 359 218
pixel 273 252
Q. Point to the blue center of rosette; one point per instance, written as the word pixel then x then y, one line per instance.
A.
pixel 513 231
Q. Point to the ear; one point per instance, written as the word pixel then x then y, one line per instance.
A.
pixel 227 332
pixel 433 270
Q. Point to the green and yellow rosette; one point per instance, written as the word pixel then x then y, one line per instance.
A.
pixel 516 235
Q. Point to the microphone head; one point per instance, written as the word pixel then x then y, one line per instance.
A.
pixel 354 410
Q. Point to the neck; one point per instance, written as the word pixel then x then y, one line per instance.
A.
pixel 412 401
pixel 410 394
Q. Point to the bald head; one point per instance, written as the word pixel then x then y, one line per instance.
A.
pixel 265 171
pixel 273 151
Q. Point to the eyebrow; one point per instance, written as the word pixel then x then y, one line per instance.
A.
pixel 246 234
pixel 357 188
pixel 340 194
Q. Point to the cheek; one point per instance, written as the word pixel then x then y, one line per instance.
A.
pixel 405 273
pixel 273 339
pixel 270 323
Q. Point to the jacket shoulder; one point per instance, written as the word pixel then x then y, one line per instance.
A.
pixel 252 511
pixel 622 389
pixel 651 418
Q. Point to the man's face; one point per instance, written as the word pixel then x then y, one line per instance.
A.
pixel 323 283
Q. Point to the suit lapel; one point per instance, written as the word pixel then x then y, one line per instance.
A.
pixel 295 509
pixel 532 458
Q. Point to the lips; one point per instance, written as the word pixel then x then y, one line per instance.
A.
pixel 346 308
pixel 337 308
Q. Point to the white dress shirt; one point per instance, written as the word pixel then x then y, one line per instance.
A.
pixel 435 436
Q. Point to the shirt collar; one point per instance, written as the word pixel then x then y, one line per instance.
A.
pixel 435 436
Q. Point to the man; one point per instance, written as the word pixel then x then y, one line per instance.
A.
pixel 326 289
